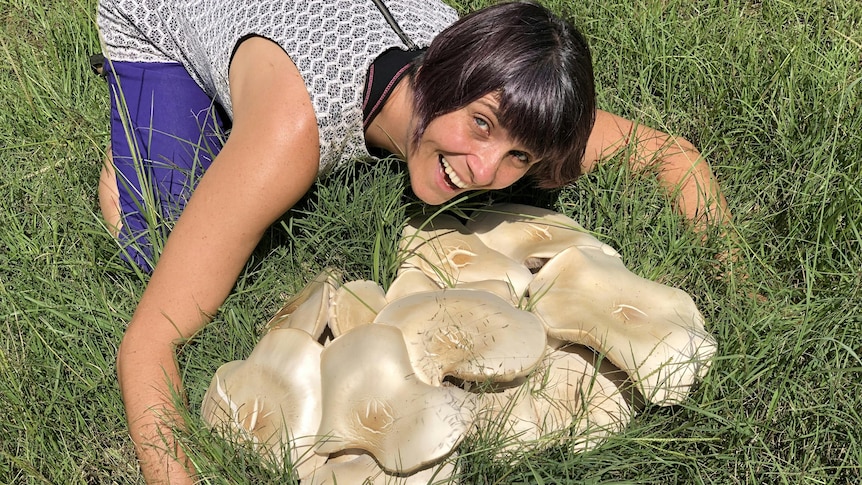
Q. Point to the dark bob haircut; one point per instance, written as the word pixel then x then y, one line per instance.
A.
pixel 537 64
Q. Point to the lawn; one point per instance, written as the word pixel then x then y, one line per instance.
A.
pixel 771 93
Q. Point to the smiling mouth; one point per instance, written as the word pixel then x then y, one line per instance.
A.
pixel 452 178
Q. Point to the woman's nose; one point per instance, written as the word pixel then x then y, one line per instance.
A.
pixel 484 166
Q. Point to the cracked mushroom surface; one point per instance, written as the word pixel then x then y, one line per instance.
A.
pixel 373 401
pixel 653 332
pixel 272 398
pixel 468 334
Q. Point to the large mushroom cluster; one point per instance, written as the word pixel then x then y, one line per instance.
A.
pixel 518 322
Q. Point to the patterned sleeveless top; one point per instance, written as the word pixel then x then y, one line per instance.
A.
pixel 331 42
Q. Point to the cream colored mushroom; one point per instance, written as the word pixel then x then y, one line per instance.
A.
pixel 448 253
pixel 523 232
pixel 653 332
pixel 308 310
pixel 409 281
pixel 508 418
pixel 360 468
pixel 496 287
pixel 355 303
pixel 373 401
pixel 468 334
pixel 346 468
pixel 273 398
pixel 578 391
pixel 413 280
pixel 566 400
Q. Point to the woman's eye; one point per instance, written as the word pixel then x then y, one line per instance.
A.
pixel 522 157
pixel 481 123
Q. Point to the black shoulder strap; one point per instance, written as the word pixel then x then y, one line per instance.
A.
pixel 392 23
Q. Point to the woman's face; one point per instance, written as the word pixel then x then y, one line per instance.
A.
pixel 465 150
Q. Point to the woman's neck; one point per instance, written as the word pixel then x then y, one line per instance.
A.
pixel 390 129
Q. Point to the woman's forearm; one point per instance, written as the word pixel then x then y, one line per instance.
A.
pixel 150 384
pixel 680 168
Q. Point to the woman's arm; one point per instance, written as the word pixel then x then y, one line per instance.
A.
pixel 269 161
pixel 679 166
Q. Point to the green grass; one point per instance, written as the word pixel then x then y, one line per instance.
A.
pixel 770 92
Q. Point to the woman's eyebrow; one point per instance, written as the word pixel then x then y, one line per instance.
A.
pixel 492 106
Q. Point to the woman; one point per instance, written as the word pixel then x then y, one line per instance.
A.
pixel 475 103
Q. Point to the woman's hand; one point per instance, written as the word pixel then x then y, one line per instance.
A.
pixel 269 161
pixel 681 170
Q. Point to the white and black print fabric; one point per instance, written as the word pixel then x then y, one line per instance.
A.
pixel 332 43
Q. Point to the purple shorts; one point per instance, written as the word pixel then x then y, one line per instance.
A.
pixel 165 132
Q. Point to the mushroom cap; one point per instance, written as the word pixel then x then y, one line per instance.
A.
pixel 409 281
pixel 350 468
pixel 571 390
pixel 653 332
pixel 355 303
pixel 273 398
pixel 468 334
pixel 500 288
pixel 308 310
pixel 510 418
pixel 373 401
pixel 346 468
pixel 576 389
pixel 523 232
pixel 448 253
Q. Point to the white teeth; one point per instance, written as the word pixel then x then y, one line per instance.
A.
pixel 452 175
